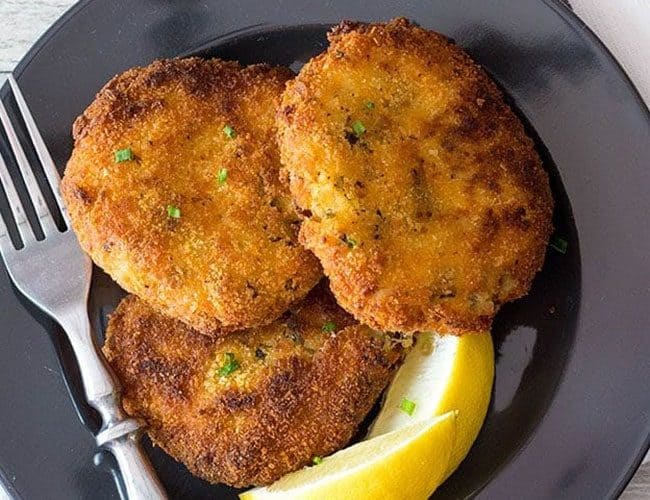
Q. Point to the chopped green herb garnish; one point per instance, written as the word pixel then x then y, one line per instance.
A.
pixel 222 176
pixel 370 105
pixel 230 365
pixel 329 327
pixel 230 132
pixel 350 242
pixel 358 128
pixel 317 460
pixel 173 212
pixel 407 406
pixel 123 155
pixel 559 245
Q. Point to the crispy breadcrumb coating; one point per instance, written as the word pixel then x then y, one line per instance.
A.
pixel 250 407
pixel 423 197
pixel 173 189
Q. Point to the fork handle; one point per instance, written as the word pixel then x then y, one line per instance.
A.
pixel 140 481
pixel 119 433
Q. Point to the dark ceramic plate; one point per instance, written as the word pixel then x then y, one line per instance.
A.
pixel 569 414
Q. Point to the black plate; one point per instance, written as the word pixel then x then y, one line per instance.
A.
pixel 569 416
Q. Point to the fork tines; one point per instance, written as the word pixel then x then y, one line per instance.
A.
pixel 45 219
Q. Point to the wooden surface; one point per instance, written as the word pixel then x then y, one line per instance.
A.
pixel 23 21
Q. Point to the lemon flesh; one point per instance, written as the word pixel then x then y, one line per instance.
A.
pixel 442 373
pixel 409 463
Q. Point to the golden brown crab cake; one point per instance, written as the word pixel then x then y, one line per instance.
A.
pixel 423 197
pixel 250 407
pixel 173 190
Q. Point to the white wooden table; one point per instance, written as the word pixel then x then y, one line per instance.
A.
pixel 23 21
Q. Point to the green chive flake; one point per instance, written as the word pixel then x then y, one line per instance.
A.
pixel 230 132
pixel 350 242
pixel 407 406
pixel 317 460
pixel 329 327
pixel 230 365
pixel 222 176
pixel 358 128
pixel 173 212
pixel 123 155
pixel 559 245
pixel 370 105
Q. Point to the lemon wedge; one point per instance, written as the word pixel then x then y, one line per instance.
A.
pixel 442 373
pixel 408 463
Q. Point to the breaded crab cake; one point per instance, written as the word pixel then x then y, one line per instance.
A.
pixel 250 407
pixel 173 189
pixel 423 197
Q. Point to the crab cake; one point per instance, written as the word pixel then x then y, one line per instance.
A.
pixel 423 198
pixel 250 407
pixel 173 189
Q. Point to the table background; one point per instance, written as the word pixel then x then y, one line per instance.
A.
pixel 25 20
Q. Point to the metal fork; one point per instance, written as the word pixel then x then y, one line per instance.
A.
pixel 54 273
